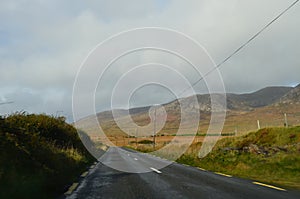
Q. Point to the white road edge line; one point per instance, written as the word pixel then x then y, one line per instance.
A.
pixel 153 169
pixel 270 186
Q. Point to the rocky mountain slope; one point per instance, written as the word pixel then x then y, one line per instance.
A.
pixel 243 110
pixel 292 97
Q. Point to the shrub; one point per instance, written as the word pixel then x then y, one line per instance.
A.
pixel 39 156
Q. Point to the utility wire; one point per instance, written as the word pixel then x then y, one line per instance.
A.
pixel 240 48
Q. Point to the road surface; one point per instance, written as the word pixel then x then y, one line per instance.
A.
pixel 173 181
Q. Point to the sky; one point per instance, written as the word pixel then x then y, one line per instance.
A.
pixel 44 43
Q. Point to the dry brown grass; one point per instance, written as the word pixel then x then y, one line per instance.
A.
pixel 239 122
pixel 159 140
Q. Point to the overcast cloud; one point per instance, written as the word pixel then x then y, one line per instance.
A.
pixel 43 43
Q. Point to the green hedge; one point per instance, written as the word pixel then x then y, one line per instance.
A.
pixel 39 156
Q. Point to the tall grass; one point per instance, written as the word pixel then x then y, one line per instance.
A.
pixel 278 163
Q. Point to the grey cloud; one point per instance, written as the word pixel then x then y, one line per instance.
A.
pixel 44 42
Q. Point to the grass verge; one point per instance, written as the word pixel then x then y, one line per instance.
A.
pixel 270 155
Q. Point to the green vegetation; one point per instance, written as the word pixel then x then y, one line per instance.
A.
pixel 40 156
pixel 145 142
pixel 204 134
pixel 270 155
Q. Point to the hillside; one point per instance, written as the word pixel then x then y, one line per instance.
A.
pixel 39 156
pixel 292 97
pixel 243 110
pixel 260 98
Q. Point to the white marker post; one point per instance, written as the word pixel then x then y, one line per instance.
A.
pixel 154 125
pixel 285 121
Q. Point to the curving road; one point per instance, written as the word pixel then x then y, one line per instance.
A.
pixel 173 181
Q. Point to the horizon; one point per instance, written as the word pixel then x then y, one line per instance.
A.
pixel 151 105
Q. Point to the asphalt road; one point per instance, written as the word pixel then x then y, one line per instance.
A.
pixel 173 181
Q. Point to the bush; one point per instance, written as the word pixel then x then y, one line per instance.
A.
pixel 39 156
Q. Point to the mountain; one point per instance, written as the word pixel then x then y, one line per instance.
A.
pixel 243 110
pixel 247 101
pixel 242 102
pixel 260 98
pixel 292 97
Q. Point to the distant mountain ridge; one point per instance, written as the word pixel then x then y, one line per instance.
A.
pixel 246 101
pixel 260 98
pixel 242 102
pixel 292 97
pixel 267 104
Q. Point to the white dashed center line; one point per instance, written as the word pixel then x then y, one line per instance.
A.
pixel 153 169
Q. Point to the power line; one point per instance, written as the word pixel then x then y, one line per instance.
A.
pixel 241 47
pixel 238 49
